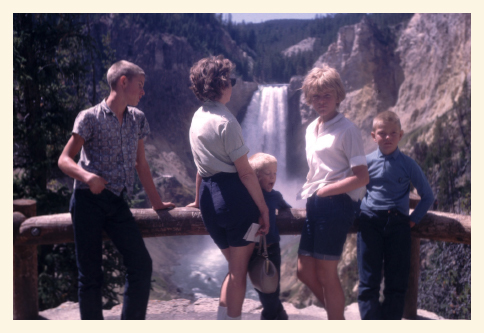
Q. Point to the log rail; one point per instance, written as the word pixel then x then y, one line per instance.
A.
pixel 30 231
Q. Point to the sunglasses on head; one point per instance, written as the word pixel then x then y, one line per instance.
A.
pixel 233 81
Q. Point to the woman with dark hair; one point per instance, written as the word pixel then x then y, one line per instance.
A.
pixel 228 192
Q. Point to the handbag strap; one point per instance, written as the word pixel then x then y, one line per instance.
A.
pixel 263 244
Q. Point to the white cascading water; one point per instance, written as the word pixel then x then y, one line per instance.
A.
pixel 264 125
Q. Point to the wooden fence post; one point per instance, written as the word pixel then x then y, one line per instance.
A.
pixel 25 292
pixel 411 297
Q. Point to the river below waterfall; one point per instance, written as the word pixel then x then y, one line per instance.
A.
pixel 202 272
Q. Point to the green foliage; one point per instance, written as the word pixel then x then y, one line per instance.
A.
pixel 58 275
pixel 54 76
pixel 49 89
pixel 445 280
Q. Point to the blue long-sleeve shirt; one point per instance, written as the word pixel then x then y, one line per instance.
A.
pixel 389 186
pixel 274 201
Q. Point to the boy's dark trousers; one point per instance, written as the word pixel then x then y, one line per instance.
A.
pixel 271 304
pixel 383 242
pixel 91 214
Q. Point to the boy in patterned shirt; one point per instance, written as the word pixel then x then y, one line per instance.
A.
pixel 110 138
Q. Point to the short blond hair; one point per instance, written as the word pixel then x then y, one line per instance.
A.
pixel 259 161
pixel 320 79
pixel 386 116
pixel 121 68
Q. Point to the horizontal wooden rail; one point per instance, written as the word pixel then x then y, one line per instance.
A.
pixel 54 229
pixel 30 231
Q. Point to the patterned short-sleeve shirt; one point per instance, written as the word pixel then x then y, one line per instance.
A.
pixel 110 148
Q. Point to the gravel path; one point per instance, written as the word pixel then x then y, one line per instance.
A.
pixel 206 309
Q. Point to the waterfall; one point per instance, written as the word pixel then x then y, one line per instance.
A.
pixel 264 125
pixel 264 130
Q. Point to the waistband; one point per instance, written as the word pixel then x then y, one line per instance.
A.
pixel 314 196
pixel 220 176
pixel 384 212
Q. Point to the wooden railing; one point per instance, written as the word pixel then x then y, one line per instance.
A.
pixel 30 231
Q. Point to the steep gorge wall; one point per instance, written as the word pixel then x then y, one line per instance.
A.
pixel 419 73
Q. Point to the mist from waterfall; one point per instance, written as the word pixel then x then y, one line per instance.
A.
pixel 265 130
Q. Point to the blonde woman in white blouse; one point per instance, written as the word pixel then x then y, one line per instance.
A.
pixel 335 181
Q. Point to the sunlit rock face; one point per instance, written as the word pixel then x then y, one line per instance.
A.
pixel 418 70
pixel 435 53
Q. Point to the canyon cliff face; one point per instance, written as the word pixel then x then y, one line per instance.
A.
pixel 435 53
pixel 418 70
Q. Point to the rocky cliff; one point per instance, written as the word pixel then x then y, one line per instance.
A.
pixel 418 70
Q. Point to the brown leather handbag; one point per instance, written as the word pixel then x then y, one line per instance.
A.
pixel 262 272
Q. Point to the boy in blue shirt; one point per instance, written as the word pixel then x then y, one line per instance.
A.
pixel 265 167
pixel 384 224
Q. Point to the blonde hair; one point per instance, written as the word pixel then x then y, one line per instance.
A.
pixel 121 68
pixel 210 76
pixel 320 79
pixel 386 116
pixel 259 161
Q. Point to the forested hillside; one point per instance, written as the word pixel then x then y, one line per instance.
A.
pixel 266 41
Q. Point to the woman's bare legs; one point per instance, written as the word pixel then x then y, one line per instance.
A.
pixel 321 277
pixel 306 273
pixel 232 293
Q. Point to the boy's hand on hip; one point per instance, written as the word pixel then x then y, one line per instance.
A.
pixel 412 224
pixel 96 184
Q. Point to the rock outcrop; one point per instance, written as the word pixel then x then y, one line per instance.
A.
pixel 370 72
pixel 435 53
pixel 418 71
pixel 310 44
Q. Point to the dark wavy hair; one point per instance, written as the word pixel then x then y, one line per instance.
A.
pixel 210 76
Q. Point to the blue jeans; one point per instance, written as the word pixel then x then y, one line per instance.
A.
pixel 91 215
pixel 272 307
pixel 383 243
